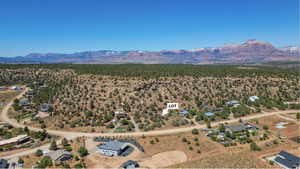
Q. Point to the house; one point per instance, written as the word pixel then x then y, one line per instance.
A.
pixel 165 112
pixel 3 88
pixel 24 102
pixel 130 164
pixel 287 160
pixel 45 107
pixel 209 114
pixel 121 114
pixel 4 164
pixel 236 128
pixel 112 148
pixel 15 140
pixel 221 136
pixel 232 102
pixel 184 112
pixel 30 93
pixel 253 98
pixel 60 155
pixel 251 127
pixel 15 88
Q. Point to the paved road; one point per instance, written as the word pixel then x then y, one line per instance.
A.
pixel 71 135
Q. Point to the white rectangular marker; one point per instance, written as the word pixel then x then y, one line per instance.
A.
pixel 172 106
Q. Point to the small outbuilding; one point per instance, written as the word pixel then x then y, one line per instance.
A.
pixel 130 164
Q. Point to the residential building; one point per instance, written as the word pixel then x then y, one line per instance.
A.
pixel 236 128
pixel 184 112
pixel 130 164
pixel 15 88
pixel 253 98
pixel 45 107
pixel 60 155
pixel 4 164
pixel 287 160
pixel 23 102
pixel 30 93
pixel 209 114
pixel 112 148
pixel 15 140
pixel 232 102
pixel 120 114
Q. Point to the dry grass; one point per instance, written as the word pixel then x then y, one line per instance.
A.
pixel 291 130
pixel 174 142
pixel 243 159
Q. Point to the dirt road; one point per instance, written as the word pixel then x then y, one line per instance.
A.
pixel 71 135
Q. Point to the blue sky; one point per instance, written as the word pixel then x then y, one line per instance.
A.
pixel 66 26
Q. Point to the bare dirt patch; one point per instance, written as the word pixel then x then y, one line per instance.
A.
pixel 291 130
pixel 228 159
pixel 164 159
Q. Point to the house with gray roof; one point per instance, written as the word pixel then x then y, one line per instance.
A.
pixel 4 164
pixel 112 148
pixel 24 102
pixel 45 107
pixel 236 128
pixel 130 164
pixel 59 155
pixel 287 160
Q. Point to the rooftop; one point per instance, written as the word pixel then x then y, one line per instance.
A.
pixel 237 128
pixel 113 145
pixel 12 140
pixel 288 160
pixel 130 164
pixel 54 155
pixel 209 114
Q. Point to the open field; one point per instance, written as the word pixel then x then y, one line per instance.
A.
pixel 291 130
pixel 242 159
pixel 6 96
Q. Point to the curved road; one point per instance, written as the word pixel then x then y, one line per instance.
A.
pixel 71 135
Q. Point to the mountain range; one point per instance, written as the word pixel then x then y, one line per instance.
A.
pixel 251 51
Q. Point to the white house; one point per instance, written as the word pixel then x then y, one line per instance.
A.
pixel 253 98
